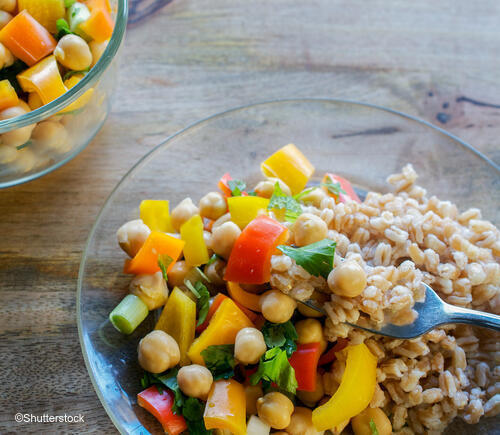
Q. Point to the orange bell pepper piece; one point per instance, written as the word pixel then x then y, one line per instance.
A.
pixel 46 12
pixel 44 79
pixel 250 259
pixel 100 25
pixel 222 329
pixel 146 260
pixel 226 407
pixel 247 299
pixel 8 96
pixel 289 165
pixel 27 39
pixel 160 405
pixel 344 185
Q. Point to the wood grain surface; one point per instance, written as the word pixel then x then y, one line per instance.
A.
pixel 185 61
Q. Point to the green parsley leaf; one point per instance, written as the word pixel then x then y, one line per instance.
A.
pixel 274 367
pixel 192 412
pixel 281 201
pixel 219 359
pixel 213 259
pixel 316 258
pixel 72 73
pixel 62 28
pixel 170 381
pixel 252 193
pixel 333 188
pixel 164 261
pixel 202 274
pixel 10 73
pixel 237 187
pixel 373 427
pixel 281 335
pixel 69 3
pixel 203 299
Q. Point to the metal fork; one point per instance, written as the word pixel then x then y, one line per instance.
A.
pixel 432 313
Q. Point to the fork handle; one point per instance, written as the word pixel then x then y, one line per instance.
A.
pixel 473 317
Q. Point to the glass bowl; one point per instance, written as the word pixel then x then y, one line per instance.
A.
pixel 78 124
pixel 364 143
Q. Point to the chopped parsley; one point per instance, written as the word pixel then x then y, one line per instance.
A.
pixel 63 29
pixel 281 335
pixel 219 359
pixel 164 261
pixel 213 259
pixel 333 187
pixel 237 187
pixel 316 258
pixel 72 73
pixel 274 367
pixel 203 299
pixel 281 201
pixel 373 427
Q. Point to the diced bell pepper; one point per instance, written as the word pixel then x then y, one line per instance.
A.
pixel 8 95
pixel 46 12
pixel 244 209
pixel 156 215
pixel 195 249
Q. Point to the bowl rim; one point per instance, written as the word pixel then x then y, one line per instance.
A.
pixel 104 207
pixel 81 87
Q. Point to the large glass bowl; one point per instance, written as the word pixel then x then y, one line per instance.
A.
pixel 361 142
pixel 76 124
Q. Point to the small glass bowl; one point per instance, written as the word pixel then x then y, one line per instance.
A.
pixel 72 128
pixel 361 142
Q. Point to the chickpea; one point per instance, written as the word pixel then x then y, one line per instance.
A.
pixel 18 136
pixel 277 307
pixel 73 53
pixel 314 197
pixel 8 5
pixel 309 228
pixel 184 211
pixel 207 235
pixel 158 352
pixel 6 57
pixel 223 239
pixel 34 101
pixel 311 331
pixel 347 279
pixel 7 154
pixel 97 49
pixel 195 381
pixel 223 219
pixel 275 409
pixel 25 160
pixel 361 423
pixel 51 134
pixel 249 346
pixel 215 272
pixel 318 299
pixel 132 235
pixel 212 205
pixel 5 17
pixel 152 289
pixel 252 394
pixel 266 188
pixel 310 398
pixel 301 422
pixel 178 273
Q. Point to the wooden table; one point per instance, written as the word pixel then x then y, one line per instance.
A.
pixel 193 58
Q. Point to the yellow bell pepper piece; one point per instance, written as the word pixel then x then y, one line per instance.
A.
pixel 178 319
pixel 289 165
pixel 226 407
pixel 244 209
pixel 46 12
pixel 222 329
pixel 81 101
pixel 355 391
pixel 44 79
pixel 195 249
pixel 156 215
pixel 8 96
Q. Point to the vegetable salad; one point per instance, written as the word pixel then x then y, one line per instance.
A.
pixel 46 48
pixel 230 354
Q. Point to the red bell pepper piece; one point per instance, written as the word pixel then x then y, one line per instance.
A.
pixel 305 363
pixel 213 308
pixel 344 184
pixel 160 405
pixel 329 356
pixel 250 259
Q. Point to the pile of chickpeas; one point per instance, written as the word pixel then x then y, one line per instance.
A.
pixel 159 352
